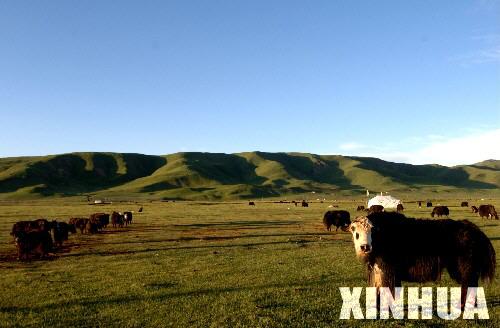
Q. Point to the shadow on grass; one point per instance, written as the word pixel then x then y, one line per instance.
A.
pixel 335 236
pixel 264 223
pixel 173 248
pixel 164 296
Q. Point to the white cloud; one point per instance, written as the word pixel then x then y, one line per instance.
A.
pixel 471 148
pixel 462 150
pixel 351 146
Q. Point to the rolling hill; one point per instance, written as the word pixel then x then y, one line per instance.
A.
pixel 213 176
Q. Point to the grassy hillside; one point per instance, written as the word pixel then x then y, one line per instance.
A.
pixel 230 176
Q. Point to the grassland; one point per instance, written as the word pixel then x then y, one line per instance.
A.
pixel 216 176
pixel 199 264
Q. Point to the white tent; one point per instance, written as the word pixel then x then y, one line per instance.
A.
pixel 385 201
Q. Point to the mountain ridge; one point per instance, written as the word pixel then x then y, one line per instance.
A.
pixel 218 176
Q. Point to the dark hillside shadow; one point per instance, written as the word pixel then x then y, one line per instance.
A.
pixel 422 174
pixel 320 170
pixel 68 174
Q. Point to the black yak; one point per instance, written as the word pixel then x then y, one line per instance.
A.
pixel 60 232
pixel 127 218
pixel 251 203
pixel 340 219
pixel 487 211
pixel 429 204
pixel 396 248
pixel 305 204
pixel 116 219
pixel 400 208
pixel 101 219
pixel 474 209
pixel 440 211
pixel 32 243
pixel 464 204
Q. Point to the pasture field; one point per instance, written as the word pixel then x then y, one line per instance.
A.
pixel 194 264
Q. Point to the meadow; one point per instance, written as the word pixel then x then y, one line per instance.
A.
pixel 201 264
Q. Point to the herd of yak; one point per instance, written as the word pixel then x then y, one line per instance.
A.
pixel 341 218
pixel 41 236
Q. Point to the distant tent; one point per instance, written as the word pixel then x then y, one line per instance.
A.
pixel 385 201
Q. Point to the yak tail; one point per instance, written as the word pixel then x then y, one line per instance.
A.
pixel 488 263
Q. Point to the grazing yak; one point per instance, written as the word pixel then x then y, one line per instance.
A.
pixel 251 203
pixel 474 209
pixel 305 204
pixel 440 211
pixel 360 208
pixel 400 208
pixel 464 204
pixel 340 219
pixel 429 204
pixel 32 243
pixel 376 208
pixel 487 211
pixel 396 248
pixel 140 210
pixel 419 203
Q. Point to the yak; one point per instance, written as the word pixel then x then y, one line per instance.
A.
pixel 487 211
pixel 127 218
pixel 474 209
pixel 116 219
pixel 464 204
pixel 305 204
pixel 340 219
pixel 360 208
pixel 397 248
pixel 32 243
pixel 101 219
pixel 440 211
pixel 60 232
pixel 400 208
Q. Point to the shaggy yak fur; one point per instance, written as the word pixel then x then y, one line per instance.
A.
pixel 340 219
pixel 440 211
pixel 396 248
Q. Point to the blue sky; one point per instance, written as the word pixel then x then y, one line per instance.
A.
pixel 408 81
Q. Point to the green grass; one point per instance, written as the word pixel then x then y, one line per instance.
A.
pixel 199 264
pixel 216 176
